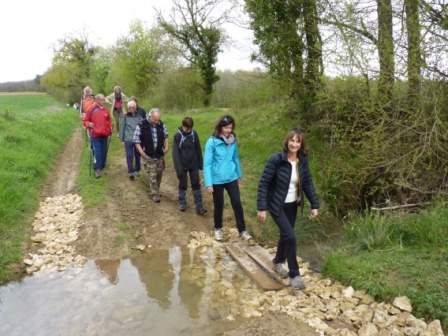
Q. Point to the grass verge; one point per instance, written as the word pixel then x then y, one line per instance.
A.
pixel 33 130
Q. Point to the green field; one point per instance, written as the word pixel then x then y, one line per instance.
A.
pixel 33 129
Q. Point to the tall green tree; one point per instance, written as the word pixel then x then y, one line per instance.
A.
pixel 386 54
pixel 199 35
pixel 137 59
pixel 414 59
pixel 70 69
pixel 289 42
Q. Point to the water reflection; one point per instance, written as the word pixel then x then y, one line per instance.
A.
pixel 165 292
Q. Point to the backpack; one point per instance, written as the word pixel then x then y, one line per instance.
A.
pixel 184 137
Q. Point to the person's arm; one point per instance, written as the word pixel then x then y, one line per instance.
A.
pixel 136 139
pixel 268 175
pixel 176 155
pixel 236 160
pixel 87 121
pixel 110 98
pixel 308 188
pixel 199 151
pixel 141 151
pixel 208 161
pixel 165 144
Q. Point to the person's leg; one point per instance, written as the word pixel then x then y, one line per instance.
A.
pixel 96 146
pixel 287 243
pixel 116 114
pixel 151 165
pixel 182 190
pixel 129 148
pixel 137 159
pixel 218 203
pixel 160 165
pixel 234 193
pixel 196 186
pixel 104 151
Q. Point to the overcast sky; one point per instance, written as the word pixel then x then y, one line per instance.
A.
pixel 29 30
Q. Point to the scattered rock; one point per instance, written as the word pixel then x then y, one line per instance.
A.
pixel 403 303
pixel 348 292
pixel 433 329
pixel 368 329
pixel 140 247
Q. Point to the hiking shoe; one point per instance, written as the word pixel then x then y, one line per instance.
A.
pixel 297 283
pixel 182 207
pixel 201 211
pixel 156 199
pixel 218 235
pixel 245 235
pixel 280 270
pixel 131 176
pixel 97 173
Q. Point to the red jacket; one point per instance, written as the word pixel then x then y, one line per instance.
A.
pixel 100 117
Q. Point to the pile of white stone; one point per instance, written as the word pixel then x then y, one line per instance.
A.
pixel 55 228
pixel 326 305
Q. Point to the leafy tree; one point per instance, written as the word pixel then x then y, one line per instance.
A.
pixel 70 69
pixel 199 35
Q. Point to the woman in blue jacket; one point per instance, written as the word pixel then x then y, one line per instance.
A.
pixel 222 170
pixel 285 180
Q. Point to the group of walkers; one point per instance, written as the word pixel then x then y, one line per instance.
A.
pixel 285 181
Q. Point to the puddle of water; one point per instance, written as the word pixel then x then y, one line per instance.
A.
pixel 163 292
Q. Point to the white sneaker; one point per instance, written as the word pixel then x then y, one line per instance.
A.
pixel 218 235
pixel 245 235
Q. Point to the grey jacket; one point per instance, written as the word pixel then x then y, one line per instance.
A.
pixel 128 123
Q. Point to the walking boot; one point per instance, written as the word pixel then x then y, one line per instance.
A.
pixel 200 210
pixel 182 200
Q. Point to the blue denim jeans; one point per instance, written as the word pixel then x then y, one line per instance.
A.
pixel 100 151
pixel 132 155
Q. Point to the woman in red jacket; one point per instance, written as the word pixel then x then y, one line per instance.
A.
pixel 98 122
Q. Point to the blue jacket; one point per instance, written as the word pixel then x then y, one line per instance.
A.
pixel 221 162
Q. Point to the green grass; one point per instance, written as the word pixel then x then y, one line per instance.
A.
pixel 391 256
pixel 33 130
pixel 94 191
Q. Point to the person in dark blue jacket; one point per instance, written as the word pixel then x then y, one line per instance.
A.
pixel 286 179
pixel 222 170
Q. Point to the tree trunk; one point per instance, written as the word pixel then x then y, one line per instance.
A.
pixel 385 54
pixel 414 54
pixel 314 52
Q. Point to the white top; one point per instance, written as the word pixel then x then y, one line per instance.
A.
pixel 292 191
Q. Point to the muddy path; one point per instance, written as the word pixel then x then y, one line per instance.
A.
pixel 86 263
pixel 62 178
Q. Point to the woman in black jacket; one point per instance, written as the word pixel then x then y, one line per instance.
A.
pixel 286 178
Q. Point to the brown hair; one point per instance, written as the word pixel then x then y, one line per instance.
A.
pixel 293 133
pixel 188 122
pixel 223 122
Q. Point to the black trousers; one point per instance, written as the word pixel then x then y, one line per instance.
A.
pixel 194 179
pixel 287 244
pixel 233 190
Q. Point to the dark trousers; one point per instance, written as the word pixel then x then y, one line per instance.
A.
pixel 99 151
pixel 287 244
pixel 218 201
pixel 132 155
pixel 194 179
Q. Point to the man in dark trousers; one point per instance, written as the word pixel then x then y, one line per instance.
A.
pixel 187 158
pixel 151 141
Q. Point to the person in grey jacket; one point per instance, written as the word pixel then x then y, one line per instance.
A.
pixel 128 123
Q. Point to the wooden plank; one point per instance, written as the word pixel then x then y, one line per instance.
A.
pixel 264 259
pixel 253 270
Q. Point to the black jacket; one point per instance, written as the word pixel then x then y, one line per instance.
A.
pixel 147 141
pixel 274 183
pixel 141 112
pixel 187 152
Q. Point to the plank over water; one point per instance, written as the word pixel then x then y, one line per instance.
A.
pixel 263 258
pixel 253 270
